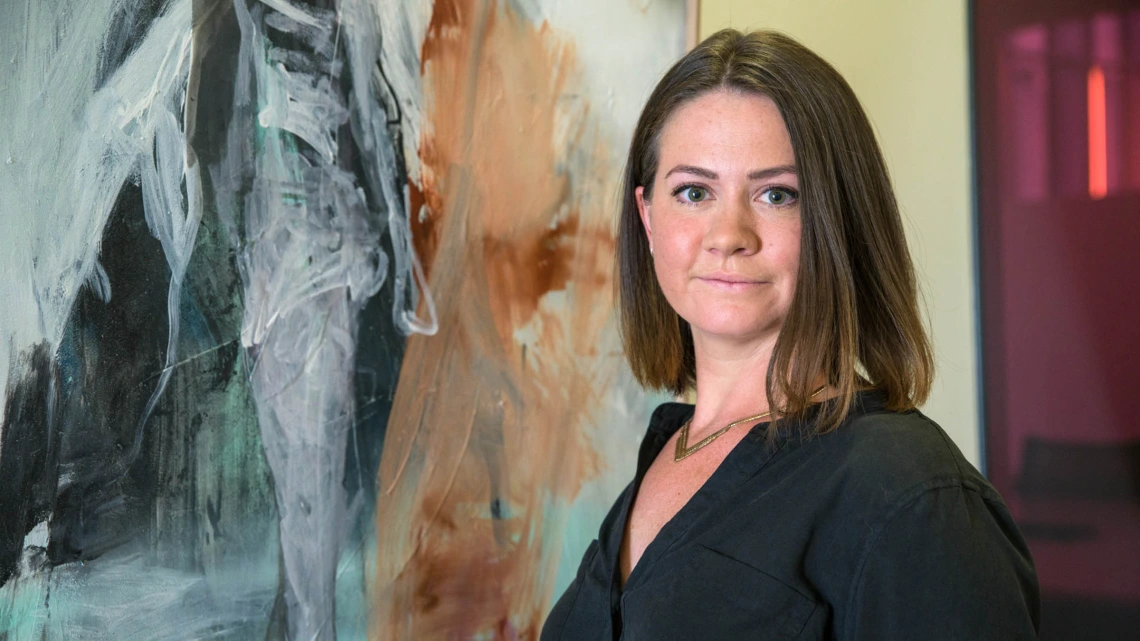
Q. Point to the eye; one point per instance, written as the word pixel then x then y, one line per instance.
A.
pixel 690 194
pixel 696 194
pixel 779 196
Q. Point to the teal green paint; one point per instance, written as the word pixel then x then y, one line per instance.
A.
pixel 356 569
pixel 22 615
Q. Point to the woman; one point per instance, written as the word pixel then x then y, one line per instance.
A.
pixel 763 265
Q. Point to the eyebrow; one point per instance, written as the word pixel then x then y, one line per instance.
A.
pixel 758 174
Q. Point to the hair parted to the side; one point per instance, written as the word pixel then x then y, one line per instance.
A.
pixel 856 299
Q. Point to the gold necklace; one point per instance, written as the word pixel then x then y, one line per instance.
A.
pixel 682 450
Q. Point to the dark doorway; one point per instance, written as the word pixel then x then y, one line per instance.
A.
pixel 1057 105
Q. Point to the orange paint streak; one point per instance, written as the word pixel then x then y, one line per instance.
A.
pixel 1098 135
pixel 492 413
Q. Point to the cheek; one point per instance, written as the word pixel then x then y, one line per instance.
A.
pixel 790 259
pixel 674 242
pixel 672 262
pixel 669 269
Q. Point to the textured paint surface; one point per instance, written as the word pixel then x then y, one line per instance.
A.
pixel 131 459
pixel 499 421
pixel 213 422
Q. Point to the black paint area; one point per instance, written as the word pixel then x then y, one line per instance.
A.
pixel 26 448
pixel 109 362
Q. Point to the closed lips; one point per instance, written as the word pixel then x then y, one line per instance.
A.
pixel 731 279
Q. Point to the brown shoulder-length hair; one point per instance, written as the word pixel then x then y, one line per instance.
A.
pixel 855 305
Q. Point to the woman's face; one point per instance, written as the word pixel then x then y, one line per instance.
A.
pixel 723 220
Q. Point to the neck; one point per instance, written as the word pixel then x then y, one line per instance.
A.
pixel 730 380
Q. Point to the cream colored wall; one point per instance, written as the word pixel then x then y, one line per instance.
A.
pixel 907 62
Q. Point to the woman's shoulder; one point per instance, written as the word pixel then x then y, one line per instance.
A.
pixel 934 532
pixel 894 455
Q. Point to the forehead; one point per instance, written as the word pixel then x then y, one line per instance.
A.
pixel 724 130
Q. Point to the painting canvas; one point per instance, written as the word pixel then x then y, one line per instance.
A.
pixel 306 325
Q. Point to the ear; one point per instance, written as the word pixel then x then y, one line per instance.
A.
pixel 643 212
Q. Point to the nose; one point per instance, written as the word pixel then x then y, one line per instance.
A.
pixel 733 230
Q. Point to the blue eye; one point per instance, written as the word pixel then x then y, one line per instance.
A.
pixel 691 194
pixel 779 196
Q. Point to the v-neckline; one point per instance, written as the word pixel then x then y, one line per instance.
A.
pixel 730 474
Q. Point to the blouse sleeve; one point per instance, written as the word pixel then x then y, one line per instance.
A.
pixel 948 564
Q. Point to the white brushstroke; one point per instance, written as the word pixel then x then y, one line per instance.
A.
pixel 169 167
pixel 361 24
pixel 99 283
pixel 403 26
pixel 621 64
pixel 310 258
pixel 302 108
pixel 297 14
pixel 38 536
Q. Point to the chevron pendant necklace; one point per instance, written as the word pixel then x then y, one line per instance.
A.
pixel 684 451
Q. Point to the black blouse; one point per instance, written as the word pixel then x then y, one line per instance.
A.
pixel 879 530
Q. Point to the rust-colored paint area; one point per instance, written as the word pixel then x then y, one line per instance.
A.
pixel 488 429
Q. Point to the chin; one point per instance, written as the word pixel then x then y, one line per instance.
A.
pixel 732 324
pixel 734 334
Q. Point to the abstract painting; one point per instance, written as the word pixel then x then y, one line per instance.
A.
pixel 306 324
